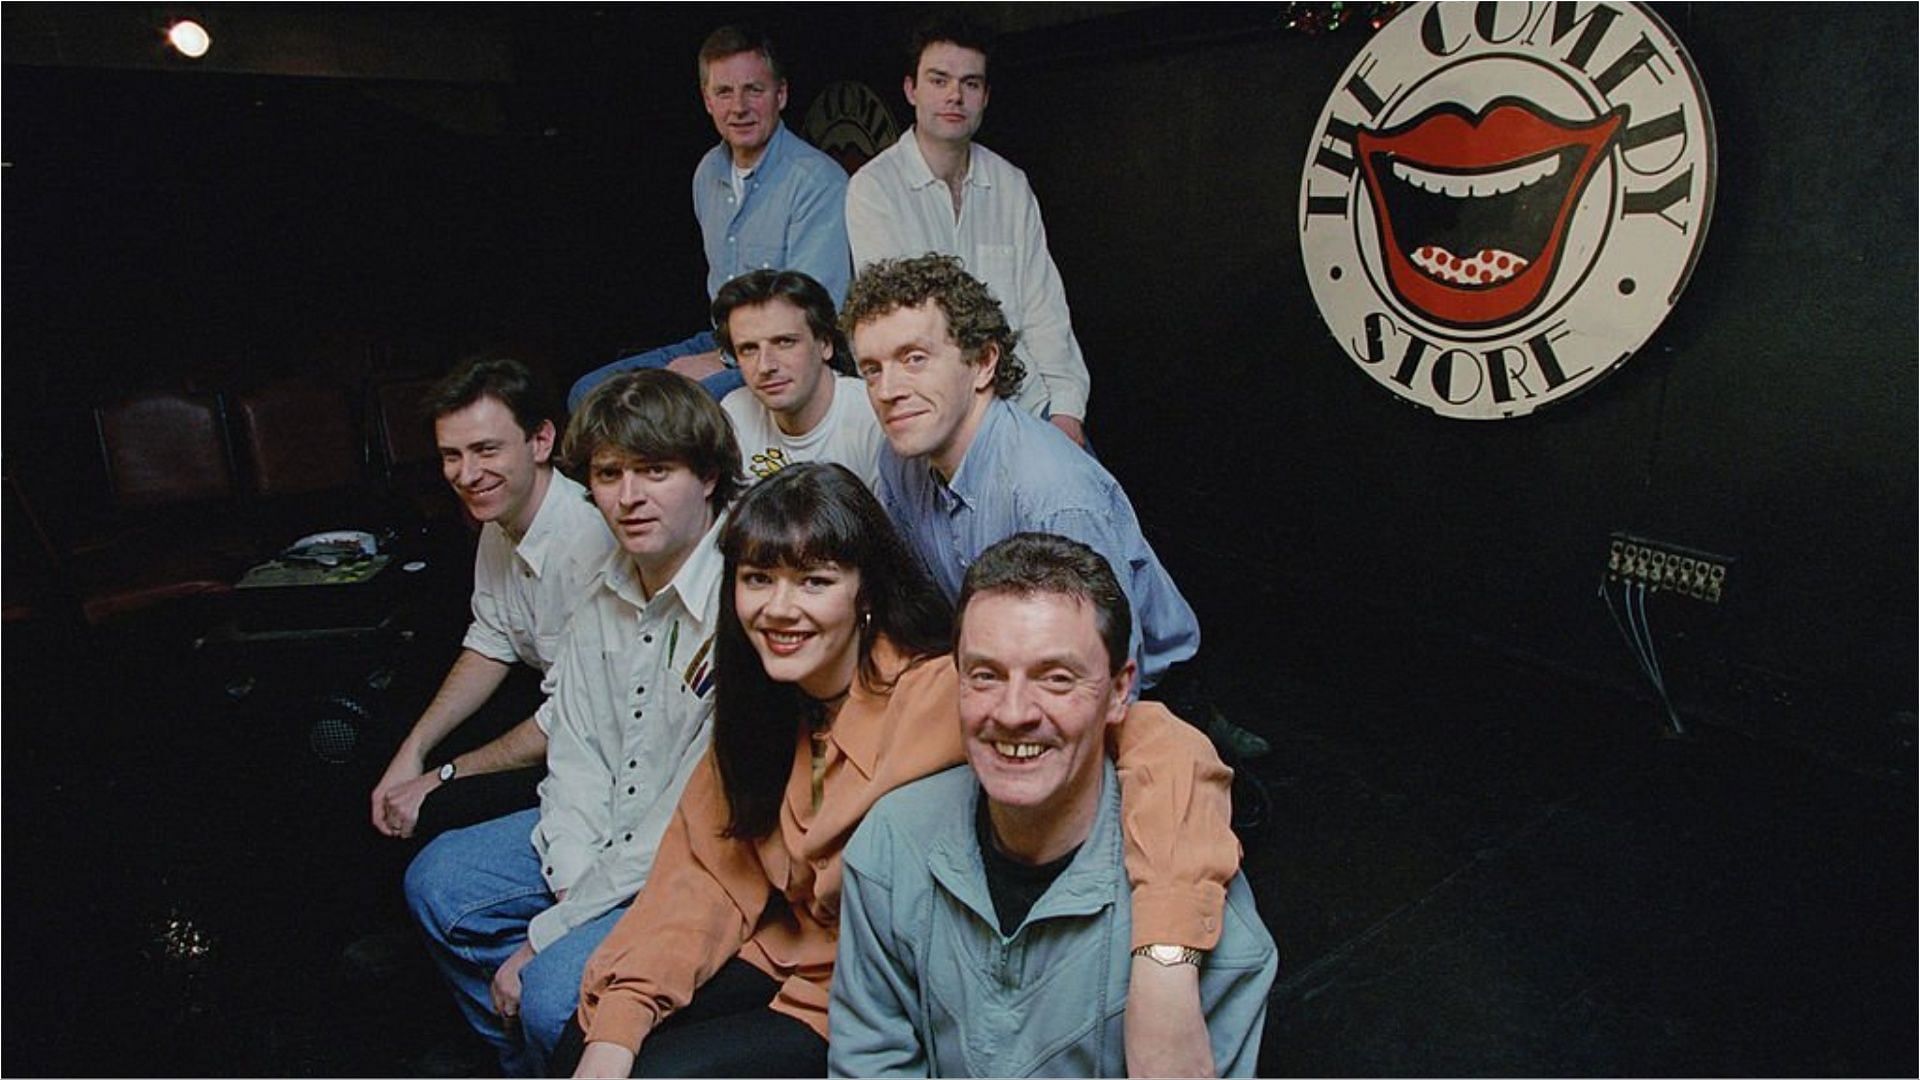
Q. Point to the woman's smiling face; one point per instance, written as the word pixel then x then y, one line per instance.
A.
pixel 803 621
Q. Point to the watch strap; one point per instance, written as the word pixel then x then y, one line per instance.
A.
pixel 1170 955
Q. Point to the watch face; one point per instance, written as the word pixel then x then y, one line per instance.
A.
pixel 1170 955
pixel 446 772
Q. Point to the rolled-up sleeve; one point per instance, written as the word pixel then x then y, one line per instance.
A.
pixel 1177 821
pixel 487 632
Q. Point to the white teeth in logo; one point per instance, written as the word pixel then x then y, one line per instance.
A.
pixel 1478 185
pixel 1019 751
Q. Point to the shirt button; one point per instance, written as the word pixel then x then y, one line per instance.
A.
pixel 630 789
pixel 629 838
pixel 636 714
pixel 639 689
pixel 648 638
pixel 633 764
pixel 549 871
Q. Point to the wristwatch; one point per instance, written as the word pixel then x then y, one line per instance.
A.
pixel 1170 955
pixel 448 771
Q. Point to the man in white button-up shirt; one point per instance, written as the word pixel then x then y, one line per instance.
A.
pixel 513 908
pixel 540 542
pixel 936 190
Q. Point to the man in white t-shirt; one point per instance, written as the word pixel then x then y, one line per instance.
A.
pixel 795 405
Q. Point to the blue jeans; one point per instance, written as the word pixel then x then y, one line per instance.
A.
pixel 473 891
pixel 719 384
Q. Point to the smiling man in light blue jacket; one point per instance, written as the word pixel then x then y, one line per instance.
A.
pixel 985 918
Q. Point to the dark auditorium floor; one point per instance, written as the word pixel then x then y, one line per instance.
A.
pixel 1472 866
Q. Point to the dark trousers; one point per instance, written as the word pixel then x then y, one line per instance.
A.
pixel 470 800
pixel 726 1030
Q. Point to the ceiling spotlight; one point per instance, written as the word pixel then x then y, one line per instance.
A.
pixel 190 38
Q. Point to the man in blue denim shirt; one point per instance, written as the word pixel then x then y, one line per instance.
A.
pixel 963 468
pixel 764 199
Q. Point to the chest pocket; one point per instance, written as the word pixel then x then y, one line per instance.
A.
pixel 546 643
pixel 1000 269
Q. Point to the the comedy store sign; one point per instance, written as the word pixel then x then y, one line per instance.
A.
pixel 1502 201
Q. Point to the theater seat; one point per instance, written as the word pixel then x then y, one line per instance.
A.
pixel 165 449
pixel 298 437
pixel 301 454
pixel 174 531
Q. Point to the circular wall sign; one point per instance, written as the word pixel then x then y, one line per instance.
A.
pixel 1502 201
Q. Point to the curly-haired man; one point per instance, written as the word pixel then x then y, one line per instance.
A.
pixel 964 468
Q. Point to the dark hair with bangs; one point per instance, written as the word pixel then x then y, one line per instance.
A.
pixel 802 516
pixel 657 415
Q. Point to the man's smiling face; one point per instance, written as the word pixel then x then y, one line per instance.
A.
pixel 1037 693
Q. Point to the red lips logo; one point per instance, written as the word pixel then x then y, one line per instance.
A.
pixel 1473 211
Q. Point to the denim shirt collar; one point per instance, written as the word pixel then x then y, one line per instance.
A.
pixel 764 170
pixel 977 467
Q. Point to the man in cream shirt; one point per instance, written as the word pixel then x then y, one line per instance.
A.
pixel 936 190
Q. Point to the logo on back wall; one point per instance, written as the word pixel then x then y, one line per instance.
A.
pixel 850 124
pixel 1501 202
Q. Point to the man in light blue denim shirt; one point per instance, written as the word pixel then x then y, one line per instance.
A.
pixel 764 199
pixel 963 468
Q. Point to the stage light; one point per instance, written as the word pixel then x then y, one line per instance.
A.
pixel 190 38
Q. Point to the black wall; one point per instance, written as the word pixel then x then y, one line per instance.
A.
pixel 163 224
pixel 1772 418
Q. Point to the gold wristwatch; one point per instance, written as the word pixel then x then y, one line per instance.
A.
pixel 1170 955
